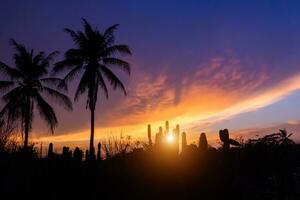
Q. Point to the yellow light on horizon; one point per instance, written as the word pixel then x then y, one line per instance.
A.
pixel 170 138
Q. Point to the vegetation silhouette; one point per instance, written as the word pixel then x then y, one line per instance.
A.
pixel 203 145
pixel 27 82
pixel 94 56
pixel 224 137
pixel 256 169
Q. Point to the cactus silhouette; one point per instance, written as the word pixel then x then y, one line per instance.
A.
pixel 167 128
pixel 70 154
pixel 203 145
pixel 159 137
pixel 99 151
pixel 161 130
pixel 87 155
pixel 224 137
pixel 65 153
pixel 149 135
pixel 77 155
pixel 183 141
pixel 50 151
pixel 177 133
pixel 92 154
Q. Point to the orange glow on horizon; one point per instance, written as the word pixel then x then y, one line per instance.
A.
pixel 194 109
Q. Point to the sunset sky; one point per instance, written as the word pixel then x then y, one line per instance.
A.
pixel 206 65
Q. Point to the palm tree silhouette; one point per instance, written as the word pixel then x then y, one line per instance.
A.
pixel 93 56
pixel 27 82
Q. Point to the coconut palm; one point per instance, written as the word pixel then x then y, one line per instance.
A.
pixel 25 86
pixel 92 58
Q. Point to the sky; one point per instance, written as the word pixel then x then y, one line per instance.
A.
pixel 206 65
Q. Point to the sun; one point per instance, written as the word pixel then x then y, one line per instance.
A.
pixel 170 138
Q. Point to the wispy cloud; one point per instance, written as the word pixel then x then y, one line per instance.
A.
pixel 216 90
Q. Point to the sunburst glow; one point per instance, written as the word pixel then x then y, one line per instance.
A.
pixel 170 138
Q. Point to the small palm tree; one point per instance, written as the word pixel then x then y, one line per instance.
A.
pixel 27 82
pixel 93 57
pixel 284 137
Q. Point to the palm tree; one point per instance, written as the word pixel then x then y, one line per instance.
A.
pixel 27 82
pixel 284 137
pixel 92 58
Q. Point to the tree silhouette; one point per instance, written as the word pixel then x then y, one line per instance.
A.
pixel 93 56
pixel 285 137
pixel 279 138
pixel 27 82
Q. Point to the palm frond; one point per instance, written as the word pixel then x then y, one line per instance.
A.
pixel 74 54
pixel 110 30
pixel 109 34
pixel 11 113
pixel 73 34
pixel 88 28
pixel 102 84
pixel 62 99
pixel 38 58
pixel 123 65
pixel 47 60
pixel 20 48
pixel 14 95
pixel 113 79
pixel 84 83
pixel 121 49
pixel 57 82
pixel 65 64
pixel 5 85
pixel 11 72
pixel 72 74
pixel 46 112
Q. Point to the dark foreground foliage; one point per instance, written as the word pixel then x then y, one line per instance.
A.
pixel 252 171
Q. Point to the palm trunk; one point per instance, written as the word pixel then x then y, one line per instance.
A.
pixel 92 153
pixel 26 135
pixel 26 125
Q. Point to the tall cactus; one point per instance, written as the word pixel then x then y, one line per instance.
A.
pixel 149 135
pixel 99 151
pixel 183 141
pixel 160 130
pixel 65 153
pixel 203 145
pixel 167 128
pixel 177 133
pixel 77 155
pixel 50 151
pixel 159 137
pixel 177 128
